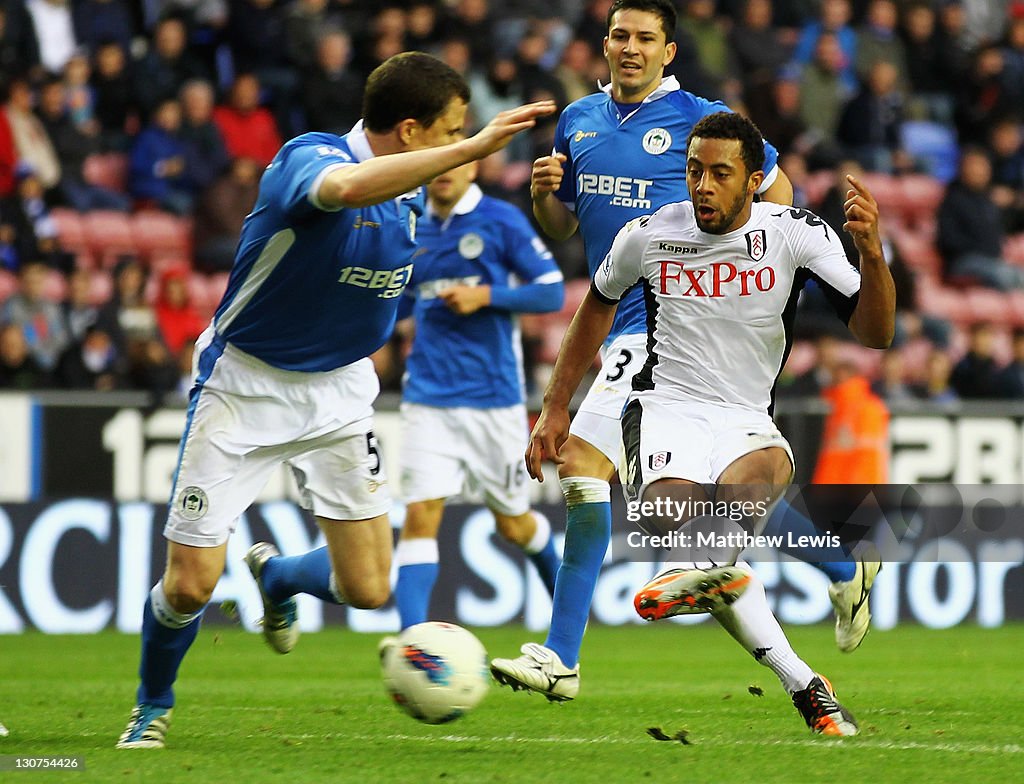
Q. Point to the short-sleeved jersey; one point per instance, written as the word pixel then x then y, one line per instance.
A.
pixel 720 307
pixel 476 360
pixel 619 168
pixel 313 289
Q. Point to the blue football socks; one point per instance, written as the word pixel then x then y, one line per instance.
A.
pixel 310 573
pixel 835 562
pixel 588 532
pixel 164 644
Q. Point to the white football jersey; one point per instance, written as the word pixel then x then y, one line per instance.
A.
pixel 720 307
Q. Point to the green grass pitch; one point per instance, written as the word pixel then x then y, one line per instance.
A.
pixel 934 706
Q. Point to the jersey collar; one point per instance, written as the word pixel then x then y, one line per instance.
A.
pixel 669 84
pixel 358 143
pixel 469 201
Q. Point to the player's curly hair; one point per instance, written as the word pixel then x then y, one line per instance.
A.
pixel 729 125
pixel 665 10
pixel 411 85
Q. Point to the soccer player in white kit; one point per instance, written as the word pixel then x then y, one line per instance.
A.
pixel 720 276
pixel 283 374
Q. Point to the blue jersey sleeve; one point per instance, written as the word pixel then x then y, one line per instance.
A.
pixel 567 190
pixel 304 165
pixel 531 261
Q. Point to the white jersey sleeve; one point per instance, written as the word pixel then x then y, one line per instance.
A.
pixel 623 266
pixel 818 249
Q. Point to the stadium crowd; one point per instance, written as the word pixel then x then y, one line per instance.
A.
pixel 133 134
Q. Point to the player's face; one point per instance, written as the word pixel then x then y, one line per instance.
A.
pixel 719 185
pixel 446 189
pixel 445 129
pixel 637 53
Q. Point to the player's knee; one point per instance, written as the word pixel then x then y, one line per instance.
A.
pixel 187 595
pixel 583 459
pixel 369 595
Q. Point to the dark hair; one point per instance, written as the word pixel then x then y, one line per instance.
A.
pixel 664 9
pixel 410 85
pixel 729 125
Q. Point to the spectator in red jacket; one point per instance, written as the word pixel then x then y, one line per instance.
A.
pixel 248 129
pixel 177 317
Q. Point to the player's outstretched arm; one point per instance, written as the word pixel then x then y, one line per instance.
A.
pixel 780 191
pixel 387 176
pixel 873 322
pixel 554 217
pixel 586 333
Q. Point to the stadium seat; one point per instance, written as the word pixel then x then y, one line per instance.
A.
pixel 816 185
pixel 1017 307
pixel 922 195
pixel 801 358
pixel 918 253
pixel 989 305
pixel 945 302
pixel 933 144
pixel 887 192
pixel 108 234
pixel 216 285
pixel 70 231
pixel 108 170
pixel 158 233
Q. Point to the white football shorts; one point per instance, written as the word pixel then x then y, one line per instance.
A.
pixel 246 418
pixel 469 452
pixel 685 439
pixel 598 420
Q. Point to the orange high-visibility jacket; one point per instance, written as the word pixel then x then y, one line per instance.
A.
pixel 855 446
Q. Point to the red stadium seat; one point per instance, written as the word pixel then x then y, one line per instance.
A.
pixel 945 302
pixel 108 170
pixel 918 252
pixel 989 305
pixel 887 192
pixel 922 195
pixel 70 230
pixel 108 234
pixel 1017 306
pixel 816 186
pixel 1013 249
pixel 159 233
pixel 216 285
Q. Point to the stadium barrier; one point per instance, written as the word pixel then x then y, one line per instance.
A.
pixel 84 482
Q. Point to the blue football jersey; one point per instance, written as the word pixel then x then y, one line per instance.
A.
pixel 313 289
pixel 475 360
pixel 619 168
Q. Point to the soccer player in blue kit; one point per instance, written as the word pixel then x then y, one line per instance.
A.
pixel 464 424
pixel 282 374
pixel 619 155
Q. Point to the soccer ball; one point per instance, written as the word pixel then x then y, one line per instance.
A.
pixel 435 671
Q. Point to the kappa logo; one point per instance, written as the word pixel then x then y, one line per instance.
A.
pixel 756 244
pixel 659 460
pixel 656 141
pixel 581 135
pixel 193 503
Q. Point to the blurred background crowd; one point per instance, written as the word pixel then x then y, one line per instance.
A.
pixel 133 134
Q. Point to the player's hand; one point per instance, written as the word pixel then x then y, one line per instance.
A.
pixel 546 176
pixel 546 440
pixel 499 131
pixel 465 300
pixel 862 217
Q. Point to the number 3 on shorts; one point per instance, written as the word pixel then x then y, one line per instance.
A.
pixel 625 357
